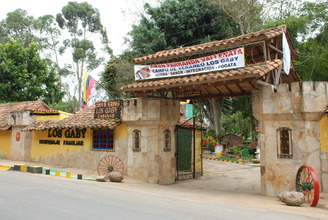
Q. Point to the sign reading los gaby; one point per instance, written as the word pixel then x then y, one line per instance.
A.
pixel 226 60
pixel 68 134
pixel 108 110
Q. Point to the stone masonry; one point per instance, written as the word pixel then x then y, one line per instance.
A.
pixel 298 107
pixel 151 116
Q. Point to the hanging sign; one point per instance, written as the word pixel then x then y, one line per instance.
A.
pixel 189 94
pixel 108 110
pixel 226 60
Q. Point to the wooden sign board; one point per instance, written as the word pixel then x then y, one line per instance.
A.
pixel 189 94
pixel 108 110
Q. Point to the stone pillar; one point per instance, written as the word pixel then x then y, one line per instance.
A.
pixel 298 107
pixel 20 141
pixel 151 117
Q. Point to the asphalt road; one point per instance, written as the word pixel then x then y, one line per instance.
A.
pixel 37 196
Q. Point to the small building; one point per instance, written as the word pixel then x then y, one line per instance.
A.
pixel 14 117
pixel 141 135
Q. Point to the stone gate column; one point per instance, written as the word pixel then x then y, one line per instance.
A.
pixel 296 110
pixel 151 125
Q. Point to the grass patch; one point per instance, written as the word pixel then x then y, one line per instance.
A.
pixel 228 158
pixel 232 159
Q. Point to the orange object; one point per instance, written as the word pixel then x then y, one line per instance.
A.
pixel 18 136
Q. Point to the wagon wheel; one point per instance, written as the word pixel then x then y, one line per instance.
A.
pixel 108 164
pixel 307 183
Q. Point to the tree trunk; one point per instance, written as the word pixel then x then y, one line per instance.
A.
pixel 216 106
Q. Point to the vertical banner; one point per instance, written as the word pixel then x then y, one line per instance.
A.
pixel 286 53
pixel 231 59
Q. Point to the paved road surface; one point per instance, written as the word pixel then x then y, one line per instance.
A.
pixel 226 191
pixel 32 196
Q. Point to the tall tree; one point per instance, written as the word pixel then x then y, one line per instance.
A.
pixel 20 27
pixel 115 76
pixel 173 24
pixel 307 27
pixel 43 31
pixel 178 23
pixel 245 13
pixel 313 50
pixel 24 75
pixel 83 23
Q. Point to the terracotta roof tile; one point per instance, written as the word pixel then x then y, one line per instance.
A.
pixel 81 119
pixel 210 46
pixel 32 106
pixel 188 123
pixel 38 125
pixel 245 72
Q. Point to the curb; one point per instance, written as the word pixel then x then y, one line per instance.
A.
pixel 40 170
pixel 208 158
pixel 5 168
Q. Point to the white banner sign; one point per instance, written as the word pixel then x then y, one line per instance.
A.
pixel 286 53
pixel 231 59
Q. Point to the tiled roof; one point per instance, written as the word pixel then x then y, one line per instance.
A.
pixel 263 54
pixel 214 45
pixel 32 106
pixel 82 119
pixel 188 123
pixel 38 125
pixel 254 71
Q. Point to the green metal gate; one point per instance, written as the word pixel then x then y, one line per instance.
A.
pixel 184 154
pixel 185 149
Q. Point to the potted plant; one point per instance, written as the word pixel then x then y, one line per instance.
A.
pixel 236 151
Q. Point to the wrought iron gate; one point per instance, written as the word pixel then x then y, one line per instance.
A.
pixel 187 160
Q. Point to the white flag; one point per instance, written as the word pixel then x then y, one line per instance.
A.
pixel 286 53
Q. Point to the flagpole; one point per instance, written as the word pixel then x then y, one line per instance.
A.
pixel 102 86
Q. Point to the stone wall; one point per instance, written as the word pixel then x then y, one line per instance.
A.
pixel 299 107
pixel 20 141
pixel 20 144
pixel 151 116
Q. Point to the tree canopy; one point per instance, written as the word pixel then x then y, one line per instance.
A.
pixel 178 23
pixel 20 27
pixel 81 20
pixel 24 75
pixel 307 27
pixel 169 24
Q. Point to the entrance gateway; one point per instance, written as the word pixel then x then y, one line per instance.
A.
pixel 292 123
pixel 239 66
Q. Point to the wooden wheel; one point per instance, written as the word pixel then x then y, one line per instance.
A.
pixel 307 183
pixel 108 164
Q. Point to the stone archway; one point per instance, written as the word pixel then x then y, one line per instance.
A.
pixel 279 103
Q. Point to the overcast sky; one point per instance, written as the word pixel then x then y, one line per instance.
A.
pixel 114 14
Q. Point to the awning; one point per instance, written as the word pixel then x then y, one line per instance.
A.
pixel 228 83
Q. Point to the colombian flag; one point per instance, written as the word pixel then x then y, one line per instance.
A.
pixel 88 82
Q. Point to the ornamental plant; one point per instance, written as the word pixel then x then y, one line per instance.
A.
pixel 209 142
